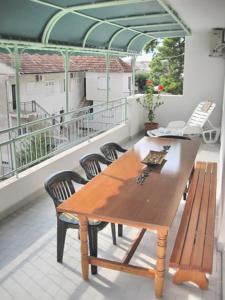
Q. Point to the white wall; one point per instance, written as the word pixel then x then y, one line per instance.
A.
pixel 203 80
pixel 221 178
pixel 97 88
pixel 49 93
pixel 15 192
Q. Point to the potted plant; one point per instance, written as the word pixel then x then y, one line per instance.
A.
pixel 151 103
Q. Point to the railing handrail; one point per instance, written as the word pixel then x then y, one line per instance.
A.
pixel 8 130
pixel 23 151
pixel 39 131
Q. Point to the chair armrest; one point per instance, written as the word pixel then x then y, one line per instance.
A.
pixel 176 125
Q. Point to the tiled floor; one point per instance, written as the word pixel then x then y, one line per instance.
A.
pixel 28 267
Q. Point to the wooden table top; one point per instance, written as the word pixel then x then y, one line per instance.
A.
pixel 115 196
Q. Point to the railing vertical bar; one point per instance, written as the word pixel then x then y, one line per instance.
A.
pixel 27 145
pixel 31 156
pixel 45 143
pixel 14 159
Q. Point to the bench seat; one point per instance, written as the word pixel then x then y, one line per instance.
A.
pixel 192 254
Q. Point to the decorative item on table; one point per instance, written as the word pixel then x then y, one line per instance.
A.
pixel 154 158
pixel 143 175
pixel 166 147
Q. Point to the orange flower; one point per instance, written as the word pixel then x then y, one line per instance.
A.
pixel 149 82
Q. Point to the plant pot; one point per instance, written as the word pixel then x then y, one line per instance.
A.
pixel 150 126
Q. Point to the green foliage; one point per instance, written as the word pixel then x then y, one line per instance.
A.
pixel 150 47
pixel 166 66
pixel 34 150
pixel 140 80
pixel 149 103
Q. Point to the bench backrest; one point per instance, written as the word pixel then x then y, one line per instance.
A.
pixel 201 114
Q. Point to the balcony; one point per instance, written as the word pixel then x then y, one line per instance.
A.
pixel 28 267
pixel 28 248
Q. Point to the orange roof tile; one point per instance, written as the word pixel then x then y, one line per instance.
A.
pixel 39 64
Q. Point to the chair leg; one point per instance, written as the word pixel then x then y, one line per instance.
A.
pixel 61 236
pixel 93 244
pixel 120 230
pixel 113 229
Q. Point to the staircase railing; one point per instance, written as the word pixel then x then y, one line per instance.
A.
pixel 29 107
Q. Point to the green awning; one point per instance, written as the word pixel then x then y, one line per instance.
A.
pixel 117 26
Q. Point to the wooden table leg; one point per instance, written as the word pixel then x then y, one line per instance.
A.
pixel 160 264
pixel 84 246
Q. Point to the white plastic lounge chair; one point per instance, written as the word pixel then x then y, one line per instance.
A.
pixel 194 126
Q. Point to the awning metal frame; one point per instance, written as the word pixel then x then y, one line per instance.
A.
pixel 76 9
pixel 17 46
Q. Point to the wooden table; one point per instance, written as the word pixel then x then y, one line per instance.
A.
pixel 114 196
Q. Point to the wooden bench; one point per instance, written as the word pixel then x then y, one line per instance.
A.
pixel 193 250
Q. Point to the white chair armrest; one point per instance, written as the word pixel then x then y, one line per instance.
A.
pixel 196 130
pixel 176 125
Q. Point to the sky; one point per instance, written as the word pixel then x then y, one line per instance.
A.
pixel 144 56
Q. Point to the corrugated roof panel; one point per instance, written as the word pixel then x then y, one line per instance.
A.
pixel 125 10
pixel 138 44
pixel 70 29
pixel 66 3
pixel 145 19
pixel 159 27
pixel 122 39
pixel 101 35
pixel 23 18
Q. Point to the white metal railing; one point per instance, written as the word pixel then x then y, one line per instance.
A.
pixel 44 138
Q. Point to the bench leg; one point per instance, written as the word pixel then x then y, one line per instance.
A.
pixel 195 276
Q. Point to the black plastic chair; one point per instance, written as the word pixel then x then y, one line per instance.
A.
pixel 60 186
pixel 110 150
pixel 91 165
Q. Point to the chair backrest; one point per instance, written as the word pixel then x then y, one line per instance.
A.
pixel 109 150
pixel 181 137
pixel 60 185
pixel 201 114
pixel 91 164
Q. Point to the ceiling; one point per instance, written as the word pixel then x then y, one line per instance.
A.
pixel 118 25
pixel 201 15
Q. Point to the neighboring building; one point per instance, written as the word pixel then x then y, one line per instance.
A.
pixel 141 63
pixel 42 84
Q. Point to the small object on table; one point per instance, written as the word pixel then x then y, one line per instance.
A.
pixel 166 147
pixel 154 158
pixel 144 174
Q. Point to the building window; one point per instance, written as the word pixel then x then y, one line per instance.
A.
pixel 38 78
pixel 129 83
pixel 102 83
pixel 13 86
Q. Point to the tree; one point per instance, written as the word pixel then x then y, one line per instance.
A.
pixel 166 66
pixel 140 80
